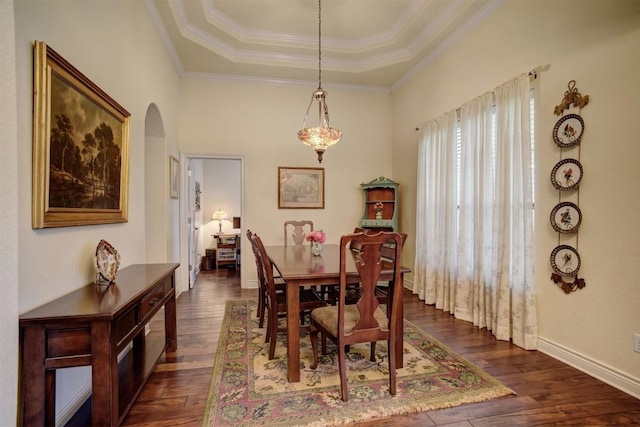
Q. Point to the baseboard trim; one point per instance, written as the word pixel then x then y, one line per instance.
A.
pixel 598 370
pixel 75 403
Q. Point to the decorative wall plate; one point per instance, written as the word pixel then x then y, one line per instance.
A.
pixel 107 261
pixel 565 261
pixel 566 218
pixel 568 130
pixel 566 175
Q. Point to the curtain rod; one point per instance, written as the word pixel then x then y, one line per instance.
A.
pixel 532 73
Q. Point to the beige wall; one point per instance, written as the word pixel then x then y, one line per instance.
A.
pixel 596 43
pixel 8 218
pixel 114 44
pixel 260 121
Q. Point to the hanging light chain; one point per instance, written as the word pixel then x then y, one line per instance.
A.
pixel 319 44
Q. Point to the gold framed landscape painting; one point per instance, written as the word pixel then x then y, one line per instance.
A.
pixel 300 188
pixel 80 147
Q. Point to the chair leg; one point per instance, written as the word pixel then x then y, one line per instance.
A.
pixel 324 343
pixel 267 335
pixel 260 306
pixel 373 352
pixel 313 335
pixel 392 368
pixel 343 372
pixel 273 336
pixel 261 310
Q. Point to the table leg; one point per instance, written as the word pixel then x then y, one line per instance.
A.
pixel 293 331
pixel 170 324
pixel 33 398
pixel 104 375
pixel 400 331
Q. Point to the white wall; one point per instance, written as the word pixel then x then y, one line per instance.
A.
pixel 596 43
pixel 8 218
pixel 221 190
pixel 114 44
pixel 260 121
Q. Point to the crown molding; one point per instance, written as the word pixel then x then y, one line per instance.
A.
pixel 283 82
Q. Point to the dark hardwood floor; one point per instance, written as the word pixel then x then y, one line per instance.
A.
pixel 549 393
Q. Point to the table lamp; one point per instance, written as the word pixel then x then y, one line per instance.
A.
pixel 220 216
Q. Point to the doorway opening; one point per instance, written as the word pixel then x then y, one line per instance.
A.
pixel 212 183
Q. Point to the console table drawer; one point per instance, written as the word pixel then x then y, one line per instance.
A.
pixel 68 342
pixel 151 300
pixel 125 323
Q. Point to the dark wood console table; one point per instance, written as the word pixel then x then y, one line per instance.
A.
pixel 91 326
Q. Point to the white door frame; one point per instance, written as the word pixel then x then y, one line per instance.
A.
pixel 185 206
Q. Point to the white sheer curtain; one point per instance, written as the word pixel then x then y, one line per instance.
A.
pixel 475 214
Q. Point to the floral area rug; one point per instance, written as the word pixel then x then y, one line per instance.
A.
pixel 247 389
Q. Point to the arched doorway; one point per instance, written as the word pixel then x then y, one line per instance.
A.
pixel 156 210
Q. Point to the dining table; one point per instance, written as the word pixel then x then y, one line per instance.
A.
pixel 299 268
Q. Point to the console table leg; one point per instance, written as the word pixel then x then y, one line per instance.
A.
pixel 170 324
pixel 104 374
pixel 50 398
pixel 33 376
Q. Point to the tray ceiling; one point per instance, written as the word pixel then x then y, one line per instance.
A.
pixel 364 42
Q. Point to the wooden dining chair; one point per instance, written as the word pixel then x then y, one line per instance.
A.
pixel 365 321
pixel 276 302
pixel 354 290
pixel 262 284
pixel 388 254
pixel 299 230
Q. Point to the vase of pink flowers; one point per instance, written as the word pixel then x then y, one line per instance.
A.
pixel 378 207
pixel 316 238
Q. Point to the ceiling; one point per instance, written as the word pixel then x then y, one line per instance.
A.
pixel 364 42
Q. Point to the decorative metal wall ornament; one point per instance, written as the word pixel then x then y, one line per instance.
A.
pixel 198 193
pixel 566 175
pixel 571 98
pixel 566 285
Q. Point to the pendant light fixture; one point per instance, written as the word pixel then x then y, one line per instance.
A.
pixel 322 136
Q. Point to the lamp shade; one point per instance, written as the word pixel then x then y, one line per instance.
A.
pixel 220 215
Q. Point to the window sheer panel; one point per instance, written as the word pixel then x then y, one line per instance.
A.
pixel 435 268
pixel 475 251
pixel 475 217
pixel 516 311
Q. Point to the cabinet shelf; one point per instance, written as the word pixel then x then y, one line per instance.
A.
pixel 227 248
pixel 380 191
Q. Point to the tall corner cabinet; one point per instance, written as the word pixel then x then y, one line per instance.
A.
pixel 380 210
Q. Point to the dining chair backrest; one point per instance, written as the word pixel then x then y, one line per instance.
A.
pixel 387 250
pixel 367 253
pixel 266 266
pixel 300 230
pixel 262 284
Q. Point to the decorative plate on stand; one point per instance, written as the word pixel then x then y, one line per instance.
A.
pixel 107 261
pixel 568 131
pixel 566 175
pixel 565 261
pixel 566 218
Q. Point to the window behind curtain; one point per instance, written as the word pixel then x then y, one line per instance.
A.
pixel 532 115
pixel 474 219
